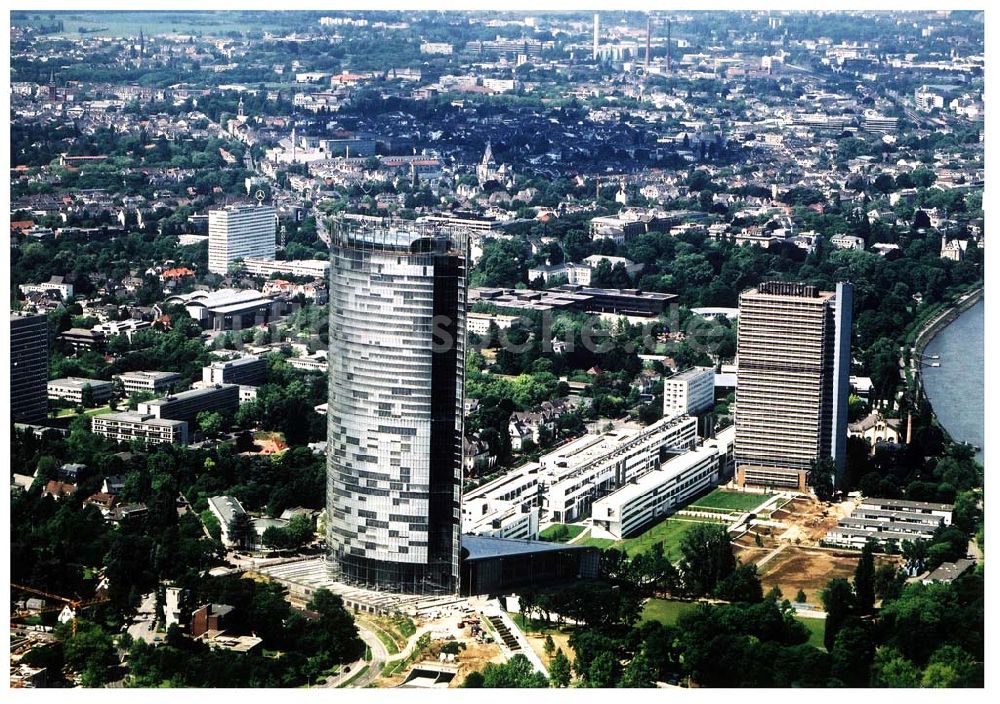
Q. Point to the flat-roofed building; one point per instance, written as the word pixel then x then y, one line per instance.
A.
pixel 125 427
pixel 224 398
pixel 151 382
pixel 29 367
pixel 578 473
pixel 73 388
pixel 248 371
pixel 689 392
pixel 479 323
pixel 232 519
pixel 318 268
pixel 658 493
pixel 889 521
pixel 794 347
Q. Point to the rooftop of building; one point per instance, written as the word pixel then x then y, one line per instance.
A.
pixel 193 393
pixel 226 506
pixel 483 547
pixel 144 418
pixel 76 382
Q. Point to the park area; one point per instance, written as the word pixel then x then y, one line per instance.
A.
pixel 667 611
pixel 561 532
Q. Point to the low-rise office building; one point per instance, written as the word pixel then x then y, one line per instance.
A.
pixel 125 427
pixel 318 268
pixel 72 389
pixel 229 512
pixel 224 398
pixel 248 370
pixel 147 382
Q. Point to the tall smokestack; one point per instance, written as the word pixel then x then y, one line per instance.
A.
pixel 668 45
pixel 649 30
pixel 597 33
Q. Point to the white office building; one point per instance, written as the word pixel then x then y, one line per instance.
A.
pixel 145 427
pixel 689 393
pixel 660 492
pixel 238 232
pixel 152 382
pixel 72 389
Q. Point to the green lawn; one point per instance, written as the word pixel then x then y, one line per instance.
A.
pixel 730 500
pixel 817 627
pixel 551 532
pixel 666 611
pixel 669 532
pixel 100 410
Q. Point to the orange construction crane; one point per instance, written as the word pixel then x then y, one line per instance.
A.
pixel 73 604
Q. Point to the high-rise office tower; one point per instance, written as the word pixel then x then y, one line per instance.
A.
pixel 792 382
pixel 239 231
pixel 597 34
pixel 29 367
pixel 395 414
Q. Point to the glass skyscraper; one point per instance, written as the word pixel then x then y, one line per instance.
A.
pixel 395 414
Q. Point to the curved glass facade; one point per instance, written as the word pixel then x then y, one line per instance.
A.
pixel 394 422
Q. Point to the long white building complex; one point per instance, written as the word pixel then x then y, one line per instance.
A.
pixel 661 492
pixel 238 232
pixel 394 418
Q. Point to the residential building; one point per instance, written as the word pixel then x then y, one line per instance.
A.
pixel 689 393
pixel 248 371
pixel 29 367
pixel 147 382
pixel 55 283
pixel 395 408
pixel 73 388
pixel 238 232
pixel 794 347
pixel 224 398
pixel 144 427
pixel 889 521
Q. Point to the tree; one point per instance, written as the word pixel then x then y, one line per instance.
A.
pixel 517 672
pixel 742 585
pixel 210 422
pixel 87 396
pixel 549 646
pixel 800 597
pixel 639 673
pixel 838 601
pixel 864 581
pixel 891 669
pixel 604 671
pixel 706 558
pixel 821 478
pixel 559 669
pixel 852 653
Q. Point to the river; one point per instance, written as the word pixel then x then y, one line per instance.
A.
pixel 955 389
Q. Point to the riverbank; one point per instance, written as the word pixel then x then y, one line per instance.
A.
pixel 942 320
pixel 956 417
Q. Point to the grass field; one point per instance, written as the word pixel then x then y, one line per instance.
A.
pixel 731 500
pixel 89 412
pixel 667 611
pixel 669 532
pixel 551 532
